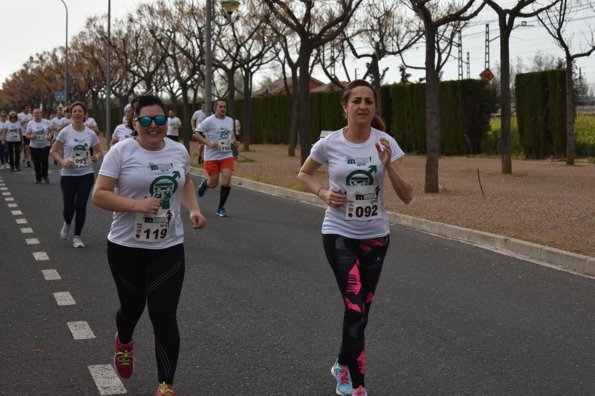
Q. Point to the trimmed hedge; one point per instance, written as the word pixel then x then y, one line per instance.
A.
pixel 465 112
pixel 541 113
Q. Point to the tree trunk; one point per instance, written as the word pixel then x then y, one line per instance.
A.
pixel 505 99
pixel 569 113
pixel 294 111
pixel 231 94
pixel 186 132
pixel 247 119
pixel 432 115
pixel 305 127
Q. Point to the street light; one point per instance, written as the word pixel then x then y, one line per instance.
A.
pixel 108 77
pixel 229 6
pixel 66 57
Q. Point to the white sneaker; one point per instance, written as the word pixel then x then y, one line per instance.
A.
pixel 77 243
pixel 65 231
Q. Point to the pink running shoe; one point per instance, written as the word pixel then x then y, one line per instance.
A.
pixel 123 360
pixel 360 391
pixel 164 390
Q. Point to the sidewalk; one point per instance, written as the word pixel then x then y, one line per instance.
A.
pixel 538 254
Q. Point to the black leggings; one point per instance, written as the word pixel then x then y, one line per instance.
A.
pixel 40 161
pixel 151 277
pixel 357 265
pixel 75 194
pixel 14 154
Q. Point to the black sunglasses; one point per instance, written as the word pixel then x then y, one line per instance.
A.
pixel 146 121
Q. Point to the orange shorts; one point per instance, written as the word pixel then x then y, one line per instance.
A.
pixel 213 167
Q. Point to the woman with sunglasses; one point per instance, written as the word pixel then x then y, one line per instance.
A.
pixel 13 136
pixel 77 175
pixel 355 230
pixel 145 180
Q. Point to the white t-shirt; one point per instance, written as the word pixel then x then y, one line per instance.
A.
pixel 77 147
pixel 24 119
pixel 217 130
pixel 90 122
pixel 2 131
pixel 58 123
pixel 198 116
pixel 122 132
pixel 355 164
pixel 13 131
pixel 41 130
pixel 142 173
pixel 173 125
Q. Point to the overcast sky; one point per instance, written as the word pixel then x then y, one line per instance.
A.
pixel 32 26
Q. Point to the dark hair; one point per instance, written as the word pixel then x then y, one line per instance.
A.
pixel 378 123
pixel 146 100
pixel 217 101
pixel 72 105
pixel 354 84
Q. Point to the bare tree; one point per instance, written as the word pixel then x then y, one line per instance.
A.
pixel 556 21
pixel 506 19
pixel 441 23
pixel 382 30
pixel 315 23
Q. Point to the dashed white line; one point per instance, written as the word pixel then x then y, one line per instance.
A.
pixel 80 330
pixel 6 194
pixel 40 256
pixel 32 241
pixel 27 230
pixel 13 205
pixel 16 212
pixel 51 274
pixel 64 298
pixel 21 221
pixel 9 199
pixel 107 380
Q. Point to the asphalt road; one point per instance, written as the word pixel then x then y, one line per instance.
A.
pixel 260 313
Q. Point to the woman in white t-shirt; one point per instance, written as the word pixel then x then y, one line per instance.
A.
pixel 72 149
pixel 125 129
pixel 13 136
pixel 3 145
pixel 145 181
pixel 39 133
pixel 355 227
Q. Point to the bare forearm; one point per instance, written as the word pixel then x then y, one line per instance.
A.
pixel 400 185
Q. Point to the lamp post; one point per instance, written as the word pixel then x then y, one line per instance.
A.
pixel 229 6
pixel 66 57
pixel 108 78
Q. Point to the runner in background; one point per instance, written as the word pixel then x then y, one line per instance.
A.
pixel 145 181
pixel 173 126
pixel 216 133
pixel 39 133
pixel 72 149
pixel 3 146
pixel 13 136
pixel 24 117
pixel 197 118
pixel 125 129
pixel 355 230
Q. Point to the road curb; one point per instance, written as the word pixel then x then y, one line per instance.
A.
pixel 539 254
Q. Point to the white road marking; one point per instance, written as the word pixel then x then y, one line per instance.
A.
pixel 106 380
pixel 13 205
pixel 32 241
pixel 9 199
pixel 3 188
pixel 6 194
pixel 51 274
pixel 64 298
pixel 21 221
pixel 80 330
pixel 27 230
pixel 40 256
pixel 16 212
